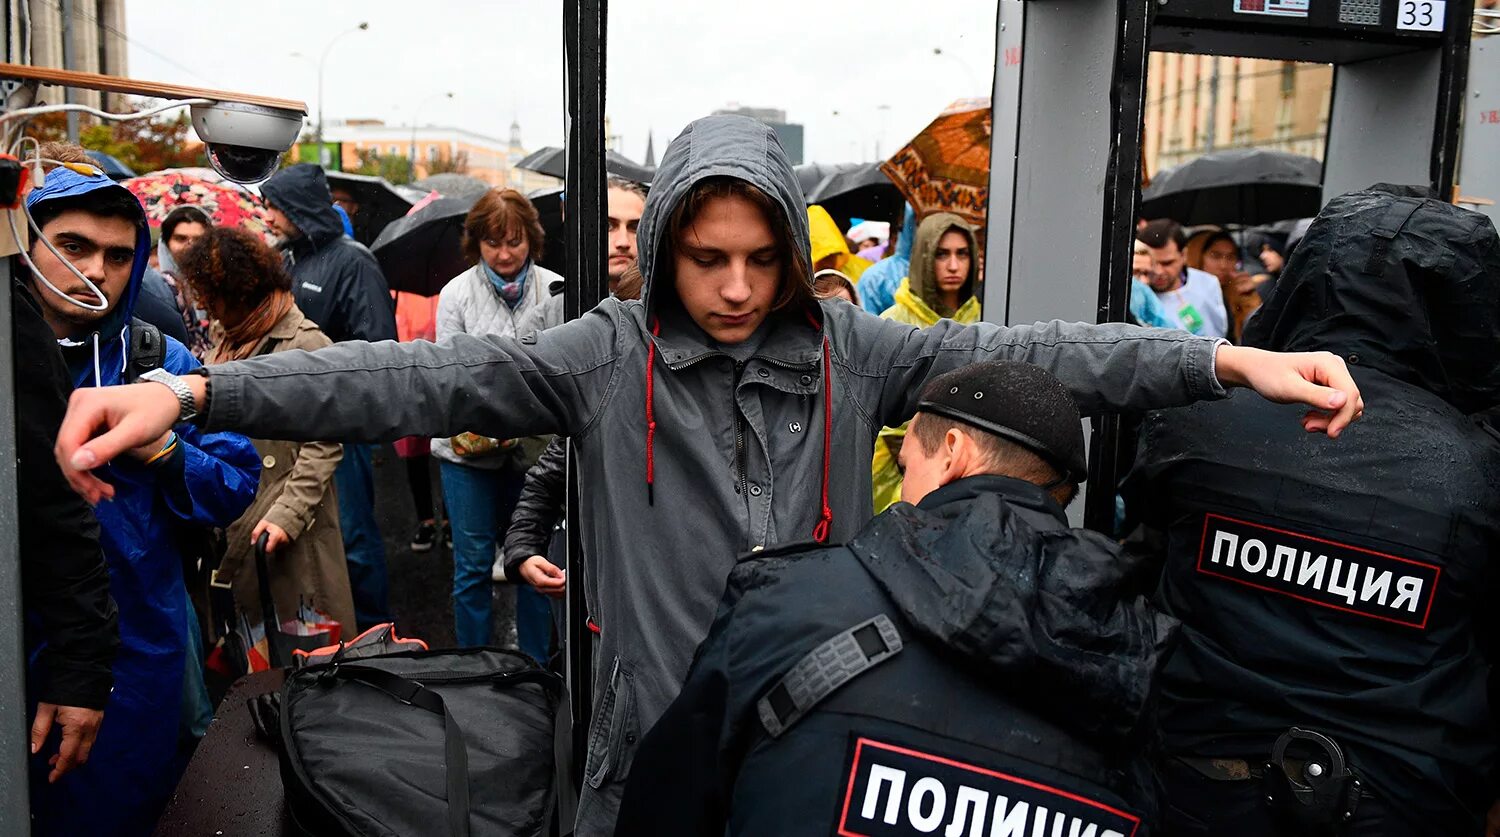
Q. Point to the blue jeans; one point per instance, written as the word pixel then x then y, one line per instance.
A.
pixel 363 548
pixel 480 502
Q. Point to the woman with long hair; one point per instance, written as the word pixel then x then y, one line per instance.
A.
pixel 240 281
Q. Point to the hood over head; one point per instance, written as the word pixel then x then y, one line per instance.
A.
pixel 827 240
pixel 717 146
pixel 1391 279
pixel 301 192
pixel 106 354
pixel 987 568
pixel 923 271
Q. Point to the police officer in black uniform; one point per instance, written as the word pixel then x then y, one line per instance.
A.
pixel 967 664
pixel 1331 672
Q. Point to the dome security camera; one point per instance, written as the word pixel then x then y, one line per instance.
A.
pixel 245 142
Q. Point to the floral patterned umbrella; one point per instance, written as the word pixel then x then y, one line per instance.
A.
pixel 946 167
pixel 228 205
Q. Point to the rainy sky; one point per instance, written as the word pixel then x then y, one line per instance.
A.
pixel 830 65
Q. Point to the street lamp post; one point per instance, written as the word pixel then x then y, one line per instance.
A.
pixel 415 121
pixel 363 25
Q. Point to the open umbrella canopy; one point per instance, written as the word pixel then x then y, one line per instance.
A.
pixel 419 253
pixel 549 210
pixel 1247 186
pixel 553 161
pixel 379 202
pixel 861 191
pixel 228 206
pixel 809 175
pixel 454 186
pixel 946 167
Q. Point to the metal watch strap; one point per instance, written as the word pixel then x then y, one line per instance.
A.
pixel 187 408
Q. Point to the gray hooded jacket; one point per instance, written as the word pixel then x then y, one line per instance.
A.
pixel 735 451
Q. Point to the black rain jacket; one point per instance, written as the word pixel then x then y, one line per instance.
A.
pixel 336 280
pixel 1025 676
pixel 1379 644
pixel 64 582
pixel 539 507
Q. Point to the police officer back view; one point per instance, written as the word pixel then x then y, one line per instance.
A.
pixel 1336 587
pixel 966 664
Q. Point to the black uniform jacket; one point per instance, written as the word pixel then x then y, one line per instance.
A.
pixel 1341 584
pixel 1013 705
pixel 64 583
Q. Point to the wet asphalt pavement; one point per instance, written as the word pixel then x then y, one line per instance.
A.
pixel 421 583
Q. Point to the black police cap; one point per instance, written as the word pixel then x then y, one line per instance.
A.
pixel 1015 401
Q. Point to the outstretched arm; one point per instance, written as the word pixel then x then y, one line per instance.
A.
pixel 362 392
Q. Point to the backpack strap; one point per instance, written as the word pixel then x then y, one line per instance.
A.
pixel 1385 232
pixel 148 350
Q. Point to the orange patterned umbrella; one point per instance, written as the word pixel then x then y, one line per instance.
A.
pixel 946 168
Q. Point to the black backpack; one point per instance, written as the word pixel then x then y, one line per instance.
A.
pixel 451 743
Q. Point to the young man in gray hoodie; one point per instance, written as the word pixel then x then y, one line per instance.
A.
pixel 725 411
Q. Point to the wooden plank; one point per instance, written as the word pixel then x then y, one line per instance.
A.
pixel 160 90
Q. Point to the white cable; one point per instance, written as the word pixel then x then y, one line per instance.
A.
pixel 94 289
pixel 98 373
pixel 27 113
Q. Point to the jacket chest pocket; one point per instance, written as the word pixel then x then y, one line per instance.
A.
pixel 614 735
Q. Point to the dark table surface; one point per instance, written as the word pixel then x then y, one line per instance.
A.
pixel 232 786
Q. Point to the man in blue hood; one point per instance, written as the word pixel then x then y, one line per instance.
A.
pixel 877 287
pixel 86 284
pixel 339 286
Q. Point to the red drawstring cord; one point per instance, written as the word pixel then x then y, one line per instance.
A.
pixel 825 517
pixel 651 414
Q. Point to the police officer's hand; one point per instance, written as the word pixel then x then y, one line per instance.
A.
pixel 1317 379
pixel 80 727
pixel 545 576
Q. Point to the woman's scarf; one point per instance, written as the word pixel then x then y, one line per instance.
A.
pixel 240 339
pixel 510 290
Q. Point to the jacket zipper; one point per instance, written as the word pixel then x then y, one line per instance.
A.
pixel 739 432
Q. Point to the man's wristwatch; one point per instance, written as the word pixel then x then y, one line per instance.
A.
pixel 187 407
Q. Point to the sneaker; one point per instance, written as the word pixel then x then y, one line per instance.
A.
pixel 425 537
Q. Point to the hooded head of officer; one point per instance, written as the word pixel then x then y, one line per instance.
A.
pixel 1001 418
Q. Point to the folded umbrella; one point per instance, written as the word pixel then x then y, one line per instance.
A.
pixel 419 253
pixel 946 167
pixel 1246 186
pixel 379 202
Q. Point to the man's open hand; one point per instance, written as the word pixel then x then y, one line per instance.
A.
pixel 79 729
pixel 1317 379
pixel 104 422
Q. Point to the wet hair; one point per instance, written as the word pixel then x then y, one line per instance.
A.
pixel 1157 233
pixel 496 214
pixel 796 291
pixel 63 152
pixel 1000 456
pixel 634 188
pixel 828 282
pixel 232 270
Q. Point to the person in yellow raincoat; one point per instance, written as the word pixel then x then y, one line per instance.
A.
pixel 943 284
pixel 829 249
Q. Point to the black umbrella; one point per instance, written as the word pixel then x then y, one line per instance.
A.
pixel 454 186
pixel 1242 186
pixel 553 161
pixel 421 252
pixel 809 175
pixel 112 167
pixel 380 202
pixel 549 210
pixel 862 191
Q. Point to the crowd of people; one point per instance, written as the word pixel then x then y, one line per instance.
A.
pixel 733 395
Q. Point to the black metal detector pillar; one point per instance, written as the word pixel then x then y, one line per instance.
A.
pixel 584 33
pixel 1065 160
pixel 1068 99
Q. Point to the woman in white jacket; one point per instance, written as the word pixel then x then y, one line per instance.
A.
pixel 482 477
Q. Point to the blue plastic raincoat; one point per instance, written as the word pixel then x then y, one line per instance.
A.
pixel 209 481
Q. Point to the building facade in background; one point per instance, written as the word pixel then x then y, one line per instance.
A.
pixel 488 158
pixel 1201 103
pixel 98 43
pixel 788 133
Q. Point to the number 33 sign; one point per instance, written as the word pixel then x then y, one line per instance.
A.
pixel 1421 15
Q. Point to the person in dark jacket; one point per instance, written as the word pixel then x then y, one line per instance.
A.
pixel 338 285
pixel 1339 588
pixel 93 232
pixel 70 617
pixel 982 667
